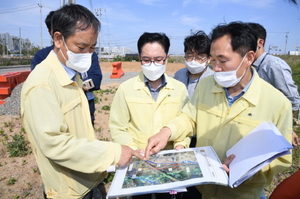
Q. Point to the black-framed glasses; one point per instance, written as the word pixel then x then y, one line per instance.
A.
pixel 157 62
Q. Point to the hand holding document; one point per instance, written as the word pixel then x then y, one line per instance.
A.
pixel 255 151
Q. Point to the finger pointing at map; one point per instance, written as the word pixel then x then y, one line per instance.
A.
pixel 157 142
pixel 126 156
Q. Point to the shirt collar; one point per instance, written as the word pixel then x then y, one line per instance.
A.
pixel 163 83
pixel 59 69
pixel 256 64
pixel 71 73
pixel 249 83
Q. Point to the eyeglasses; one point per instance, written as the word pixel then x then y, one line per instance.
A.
pixel 196 58
pixel 157 62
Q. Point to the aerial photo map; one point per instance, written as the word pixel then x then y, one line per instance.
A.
pixel 161 169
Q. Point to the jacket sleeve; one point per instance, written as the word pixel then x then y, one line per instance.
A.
pixel 119 120
pixel 48 130
pixel 187 140
pixel 184 125
pixel 280 75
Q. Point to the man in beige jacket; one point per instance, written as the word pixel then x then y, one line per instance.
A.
pixel 56 116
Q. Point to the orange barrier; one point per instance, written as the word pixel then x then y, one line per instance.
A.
pixel 117 71
pixel 9 81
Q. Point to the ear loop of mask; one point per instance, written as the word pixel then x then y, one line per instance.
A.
pixel 66 48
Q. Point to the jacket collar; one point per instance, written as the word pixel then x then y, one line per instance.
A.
pixel 59 71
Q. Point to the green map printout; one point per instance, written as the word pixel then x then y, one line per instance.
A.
pixel 161 169
pixel 169 170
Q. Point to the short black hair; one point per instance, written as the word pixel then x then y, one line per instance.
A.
pixel 48 20
pixel 69 18
pixel 243 38
pixel 259 30
pixel 160 38
pixel 198 42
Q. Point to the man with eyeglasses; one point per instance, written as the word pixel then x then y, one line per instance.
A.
pixel 144 104
pixel 196 49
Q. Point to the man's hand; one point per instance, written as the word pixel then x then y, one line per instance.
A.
pixel 126 156
pixel 227 161
pixel 295 139
pixel 85 88
pixel 157 142
pixel 178 147
pixel 140 151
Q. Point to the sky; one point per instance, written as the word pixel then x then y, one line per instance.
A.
pixel 123 22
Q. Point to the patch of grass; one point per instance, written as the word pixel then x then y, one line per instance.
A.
pixel 2 132
pixel 3 178
pixel 6 137
pixel 99 129
pixel 18 147
pixel 106 108
pixel 23 130
pixel 7 124
pixel 96 99
pixel 11 181
pixel 24 162
pixel 109 178
pixel 29 185
pixel 104 139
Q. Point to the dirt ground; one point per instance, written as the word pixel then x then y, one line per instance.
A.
pixel 19 176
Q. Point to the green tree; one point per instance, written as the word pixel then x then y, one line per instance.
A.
pixel 3 49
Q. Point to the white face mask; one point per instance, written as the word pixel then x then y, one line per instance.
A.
pixel 153 72
pixel 228 78
pixel 195 67
pixel 80 62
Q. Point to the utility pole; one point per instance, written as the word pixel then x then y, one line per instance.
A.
pixel 2 43
pixel 20 42
pixel 286 41
pixel 99 14
pixel 41 30
pixel 6 46
pixel 108 46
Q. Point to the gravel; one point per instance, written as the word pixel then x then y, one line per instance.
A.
pixel 12 106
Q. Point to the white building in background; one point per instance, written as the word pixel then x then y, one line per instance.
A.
pixel 106 50
pixel 12 42
pixel 115 50
pixel 294 53
pixel 121 51
pixel 6 40
pixel 124 51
